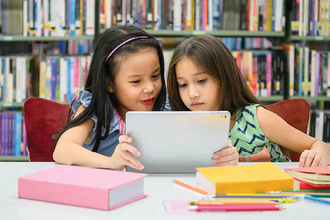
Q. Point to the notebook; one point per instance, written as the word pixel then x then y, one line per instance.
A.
pixel 82 186
pixel 177 142
pixel 253 178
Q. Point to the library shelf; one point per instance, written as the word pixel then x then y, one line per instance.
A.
pixel 308 98
pixel 14 38
pixel 223 33
pixel 309 38
pixel 274 98
pixel 14 159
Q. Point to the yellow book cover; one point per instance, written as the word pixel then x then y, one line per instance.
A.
pixel 253 178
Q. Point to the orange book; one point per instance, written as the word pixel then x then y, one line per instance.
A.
pixel 245 179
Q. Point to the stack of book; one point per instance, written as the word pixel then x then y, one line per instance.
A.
pixel 310 178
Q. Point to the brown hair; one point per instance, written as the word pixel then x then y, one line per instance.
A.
pixel 212 56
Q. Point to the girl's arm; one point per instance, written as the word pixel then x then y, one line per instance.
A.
pixel 314 152
pixel 69 149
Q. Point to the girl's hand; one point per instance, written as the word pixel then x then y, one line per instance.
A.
pixel 318 155
pixel 226 157
pixel 123 157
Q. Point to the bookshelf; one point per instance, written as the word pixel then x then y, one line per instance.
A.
pixel 225 33
pixel 277 37
pixel 17 38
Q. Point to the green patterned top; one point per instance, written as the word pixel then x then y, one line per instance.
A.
pixel 248 137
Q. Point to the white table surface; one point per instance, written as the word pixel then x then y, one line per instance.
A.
pixel 158 187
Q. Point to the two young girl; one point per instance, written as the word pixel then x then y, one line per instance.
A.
pixel 127 74
pixel 203 76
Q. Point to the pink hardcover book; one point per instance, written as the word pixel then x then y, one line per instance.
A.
pixel 82 186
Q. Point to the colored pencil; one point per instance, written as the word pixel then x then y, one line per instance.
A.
pixel 285 200
pixel 190 187
pixel 324 201
pixel 320 195
pixel 231 203
pixel 270 196
pixel 235 208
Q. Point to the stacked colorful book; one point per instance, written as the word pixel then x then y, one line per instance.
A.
pixel 310 178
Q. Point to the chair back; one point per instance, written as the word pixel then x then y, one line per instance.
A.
pixel 44 119
pixel 296 113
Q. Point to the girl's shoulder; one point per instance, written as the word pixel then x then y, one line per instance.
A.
pixel 84 98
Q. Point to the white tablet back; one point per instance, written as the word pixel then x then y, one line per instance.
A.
pixel 177 142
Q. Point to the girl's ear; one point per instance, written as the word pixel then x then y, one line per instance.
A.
pixel 110 89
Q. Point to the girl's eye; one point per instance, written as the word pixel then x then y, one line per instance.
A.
pixel 135 81
pixel 201 81
pixel 183 85
pixel 156 76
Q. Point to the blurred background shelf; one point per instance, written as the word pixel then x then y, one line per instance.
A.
pixel 14 158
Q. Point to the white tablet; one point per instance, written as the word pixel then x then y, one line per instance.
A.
pixel 177 142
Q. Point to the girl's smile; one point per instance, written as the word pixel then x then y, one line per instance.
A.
pixel 148 101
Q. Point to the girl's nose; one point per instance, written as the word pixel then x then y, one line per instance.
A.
pixel 193 93
pixel 149 87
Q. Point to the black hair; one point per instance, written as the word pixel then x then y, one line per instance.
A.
pixel 102 74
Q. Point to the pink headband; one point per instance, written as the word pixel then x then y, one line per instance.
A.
pixel 131 39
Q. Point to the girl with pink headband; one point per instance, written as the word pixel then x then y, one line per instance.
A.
pixel 126 74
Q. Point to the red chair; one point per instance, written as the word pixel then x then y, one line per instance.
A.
pixel 296 113
pixel 44 119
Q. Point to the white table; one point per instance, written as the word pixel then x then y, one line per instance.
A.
pixel 158 188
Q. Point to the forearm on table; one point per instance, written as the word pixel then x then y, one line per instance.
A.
pixel 72 153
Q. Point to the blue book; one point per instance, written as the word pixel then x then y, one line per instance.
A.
pixel 72 17
pixel 6 133
pixel 18 134
pixel 53 78
pixel 68 79
pixel 273 15
pixel 2 72
pixel 13 135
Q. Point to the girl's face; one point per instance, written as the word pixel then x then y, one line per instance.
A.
pixel 198 90
pixel 138 82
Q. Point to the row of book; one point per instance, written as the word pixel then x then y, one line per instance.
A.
pixel 310 17
pixel 70 17
pixel 13 137
pixel 16 78
pixel 59 77
pixel 62 76
pixel 237 43
pixel 200 15
pixel 309 71
pixel 48 17
pixel 319 125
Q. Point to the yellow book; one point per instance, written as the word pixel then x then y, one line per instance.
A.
pixel 253 178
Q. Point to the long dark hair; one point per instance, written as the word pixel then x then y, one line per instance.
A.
pixel 102 73
pixel 212 56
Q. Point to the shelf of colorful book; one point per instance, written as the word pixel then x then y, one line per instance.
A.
pixel 309 38
pixel 14 159
pixel 11 38
pixel 308 98
pixel 224 33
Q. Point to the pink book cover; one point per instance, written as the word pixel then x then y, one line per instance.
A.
pixel 74 185
pixel 314 170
